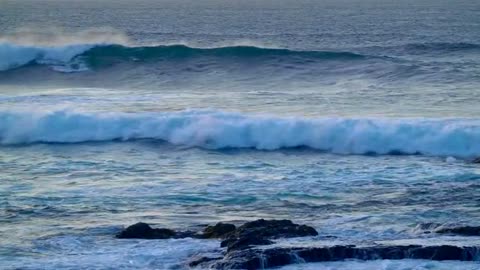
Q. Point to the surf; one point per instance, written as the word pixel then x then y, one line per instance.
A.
pixel 212 129
pixel 99 55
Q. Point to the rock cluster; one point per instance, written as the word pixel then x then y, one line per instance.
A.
pixel 260 232
pixel 464 230
pixel 274 257
pixel 144 231
pixel 249 234
pixel 242 251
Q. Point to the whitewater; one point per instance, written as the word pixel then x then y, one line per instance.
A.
pixel 217 130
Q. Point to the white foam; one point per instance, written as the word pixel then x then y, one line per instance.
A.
pixel 53 46
pixel 217 129
pixel 450 160
pixel 87 252
pixel 14 56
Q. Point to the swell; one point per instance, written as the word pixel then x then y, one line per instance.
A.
pixel 441 47
pixel 81 56
pixel 182 51
pixel 219 130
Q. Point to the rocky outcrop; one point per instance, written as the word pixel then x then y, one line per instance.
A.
pixel 465 231
pixel 199 261
pixel 251 233
pixel 267 258
pixel 220 230
pixel 144 231
pixel 260 232
pixel 243 252
pixel 476 160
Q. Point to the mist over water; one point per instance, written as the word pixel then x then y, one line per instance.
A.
pixel 358 118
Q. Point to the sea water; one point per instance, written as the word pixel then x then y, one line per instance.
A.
pixel 356 117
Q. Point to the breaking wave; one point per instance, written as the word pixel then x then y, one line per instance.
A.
pixel 219 130
pixel 82 56
pixel 79 57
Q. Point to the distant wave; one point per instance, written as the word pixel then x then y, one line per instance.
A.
pixel 218 130
pixel 79 57
pixel 442 46
pixel 181 51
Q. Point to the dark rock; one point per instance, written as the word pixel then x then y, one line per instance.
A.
pixel 202 261
pixel 427 227
pixel 144 231
pixel 249 234
pixel 220 230
pixel 466 230
pixel 241 253
pixel 244 242
pixel 441 253
pixel 259 231
pixel 186 234
pixel 266 258
pixel 476 160
pixel 276 229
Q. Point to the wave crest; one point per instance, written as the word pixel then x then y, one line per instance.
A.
pixel 218 130
pixel 104 47
pixel 77 57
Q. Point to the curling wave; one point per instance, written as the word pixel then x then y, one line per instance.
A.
pixel 82 56
pixel 60 58
pixel 218 130
pixel 78 57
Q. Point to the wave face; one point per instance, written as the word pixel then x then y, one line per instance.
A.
pixel 182 51
pixel 218 130
pixel 81 57
pixel 78 57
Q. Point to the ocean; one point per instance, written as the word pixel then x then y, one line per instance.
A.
pixel 357 117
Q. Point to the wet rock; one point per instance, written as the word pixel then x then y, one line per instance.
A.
pixel 244 242
pixel 266 258
pixel 220 230
pixel 442 253
pixel 260 231
pixel 466 231
pixel 243 253
pixel 144 231
pixel 476 160
pixel 276 228
pixel 201 261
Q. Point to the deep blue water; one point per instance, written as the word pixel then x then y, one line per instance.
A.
pixel 356 117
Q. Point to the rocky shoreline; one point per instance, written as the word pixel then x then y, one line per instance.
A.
pixel 249 246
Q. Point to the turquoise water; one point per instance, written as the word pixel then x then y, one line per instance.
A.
pixel 356 117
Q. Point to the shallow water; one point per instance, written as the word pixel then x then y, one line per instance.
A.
pixel 67 192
